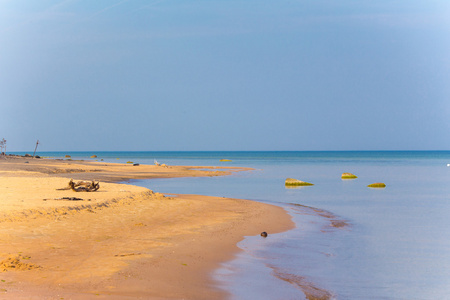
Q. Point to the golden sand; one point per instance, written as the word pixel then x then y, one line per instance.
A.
pixel 121 241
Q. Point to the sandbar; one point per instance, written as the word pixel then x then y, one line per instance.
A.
pixel 121 242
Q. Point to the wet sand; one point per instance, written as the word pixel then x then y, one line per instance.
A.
pixel 121 242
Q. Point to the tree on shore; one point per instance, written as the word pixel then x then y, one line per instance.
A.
pixel 3 146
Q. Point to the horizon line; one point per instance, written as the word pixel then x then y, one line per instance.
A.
pixel 383 150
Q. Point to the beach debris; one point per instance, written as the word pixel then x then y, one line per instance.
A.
pixel 264 234
pixel 67 156
pixel 82 186
pixel 348 176
pixel 135 164
pixel 129 162
pixel 126 254
pixel 296 182
pixel 94 156
pixel 71 198
pixel 159 164
pixel 67 198
pixel 225 160
pixel 377 185
pixel 37 143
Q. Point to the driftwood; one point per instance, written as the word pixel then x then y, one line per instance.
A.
pixel 72 198
pixel 82 186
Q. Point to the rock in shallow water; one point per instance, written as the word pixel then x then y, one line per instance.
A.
pixel 348 176
pixel 296 182
pixel 377 185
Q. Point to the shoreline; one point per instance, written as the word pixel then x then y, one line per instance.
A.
pixel 126 241
pixel 106 171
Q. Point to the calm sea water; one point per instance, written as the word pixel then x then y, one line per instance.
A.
pixel 397 244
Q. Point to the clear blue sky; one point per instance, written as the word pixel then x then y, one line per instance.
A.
pixel 225 75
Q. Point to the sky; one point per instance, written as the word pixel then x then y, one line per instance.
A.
pixel 198 75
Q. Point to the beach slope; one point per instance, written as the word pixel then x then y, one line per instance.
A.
pixel 121 242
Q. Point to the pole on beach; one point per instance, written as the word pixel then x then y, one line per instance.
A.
pixel 37 143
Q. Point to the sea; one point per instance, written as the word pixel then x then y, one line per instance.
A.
pixel 389 243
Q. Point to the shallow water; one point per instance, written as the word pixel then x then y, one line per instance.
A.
pixel 396 246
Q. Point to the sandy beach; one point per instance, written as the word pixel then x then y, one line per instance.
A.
pixel 122 241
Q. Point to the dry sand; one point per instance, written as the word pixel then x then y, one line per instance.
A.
pixel 121 242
